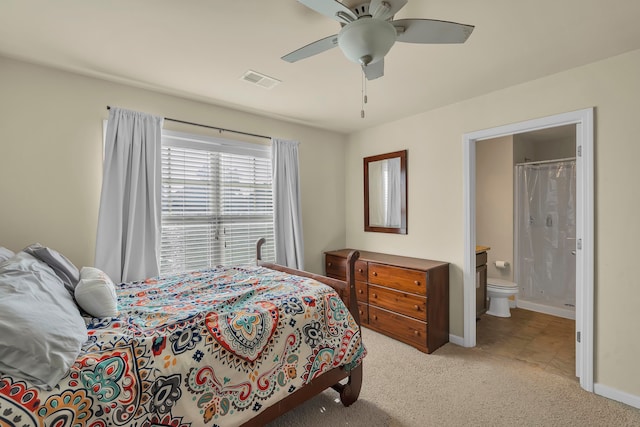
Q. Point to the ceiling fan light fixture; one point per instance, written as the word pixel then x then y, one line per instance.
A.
pixel 367 40
pixel 369 31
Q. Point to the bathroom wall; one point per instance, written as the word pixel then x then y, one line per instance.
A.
pixel 549 144
pixel 494 202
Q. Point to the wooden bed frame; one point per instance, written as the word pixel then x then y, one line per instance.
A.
pixel 350 390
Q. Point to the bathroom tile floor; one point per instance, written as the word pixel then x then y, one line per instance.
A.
pixel 532 337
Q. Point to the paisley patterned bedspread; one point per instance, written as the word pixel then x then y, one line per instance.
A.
pixel 213 347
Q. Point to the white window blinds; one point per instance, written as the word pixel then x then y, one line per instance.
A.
pixel 216 202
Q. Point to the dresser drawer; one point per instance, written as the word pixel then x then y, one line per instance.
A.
pixel 363 311
pixel 399 302
pixel 335 267
pixel 402 279
pixel 361 291
pixel 361 271
pixel 404 328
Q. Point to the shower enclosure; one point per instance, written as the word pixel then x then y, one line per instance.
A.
pixel 545 268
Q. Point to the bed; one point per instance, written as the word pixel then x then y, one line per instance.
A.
pixel 225 346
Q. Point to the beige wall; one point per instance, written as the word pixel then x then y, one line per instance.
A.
pixel 434 143
pixel 494 203
pixel 50 158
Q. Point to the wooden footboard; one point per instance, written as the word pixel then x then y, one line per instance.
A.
pixel 345 289
pixel 350 390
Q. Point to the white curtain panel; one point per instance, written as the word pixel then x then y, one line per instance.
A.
pixel 129 220
pixel 287 205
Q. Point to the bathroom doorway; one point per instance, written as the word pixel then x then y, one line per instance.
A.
pixel 525 215
pixel 583 121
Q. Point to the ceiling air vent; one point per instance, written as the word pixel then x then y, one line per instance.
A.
pixel 260 79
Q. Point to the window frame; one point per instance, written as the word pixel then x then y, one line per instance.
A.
pixel 182 140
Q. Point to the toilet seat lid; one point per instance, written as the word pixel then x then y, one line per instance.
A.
pixel 501 283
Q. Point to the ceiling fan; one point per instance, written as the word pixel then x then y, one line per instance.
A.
pixel 369 31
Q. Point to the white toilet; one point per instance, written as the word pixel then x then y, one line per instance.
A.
pixel 499 291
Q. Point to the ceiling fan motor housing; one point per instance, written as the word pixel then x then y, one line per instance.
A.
pixel 366 40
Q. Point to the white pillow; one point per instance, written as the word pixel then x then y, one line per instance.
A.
pixel 96 293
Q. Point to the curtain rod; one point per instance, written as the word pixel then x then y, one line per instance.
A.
pixel 212 127
pixel 544 162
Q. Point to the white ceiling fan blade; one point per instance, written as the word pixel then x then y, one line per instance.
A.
pixel 375 70
pixel 311 49
pixel 385 9
pixel 331 8
pixel 431 31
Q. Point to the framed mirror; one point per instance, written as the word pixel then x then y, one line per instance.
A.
pixel 385 193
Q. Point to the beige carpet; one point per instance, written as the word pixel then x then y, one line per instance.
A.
pixel 458 386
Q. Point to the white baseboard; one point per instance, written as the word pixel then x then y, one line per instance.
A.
pixel 454 339
pixel 620 396
pixel 547 309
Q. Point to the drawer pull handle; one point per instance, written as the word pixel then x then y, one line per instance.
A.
pixel 417 307
pixel 360 270
pixel 374 295
pixel 416 333
pixel 359 291
pixel 375 274
pixel 375 317
pixel 417 282
pixel 329 264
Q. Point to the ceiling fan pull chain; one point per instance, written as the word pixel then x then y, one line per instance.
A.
pixel 362 79
pixel 363 91
pixel 364 82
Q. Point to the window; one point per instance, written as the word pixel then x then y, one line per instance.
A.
pixel 216 202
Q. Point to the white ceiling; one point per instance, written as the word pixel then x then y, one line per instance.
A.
pixel 200 49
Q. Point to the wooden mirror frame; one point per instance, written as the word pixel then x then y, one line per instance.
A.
pixel 402 155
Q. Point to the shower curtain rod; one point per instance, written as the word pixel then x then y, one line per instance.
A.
pixel 212 127
pixel 542 162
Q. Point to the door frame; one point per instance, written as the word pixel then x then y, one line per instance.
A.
pixel 583 119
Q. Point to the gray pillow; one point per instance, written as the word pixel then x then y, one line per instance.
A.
pixel 41 329
pixel 59 263
pixel 5 254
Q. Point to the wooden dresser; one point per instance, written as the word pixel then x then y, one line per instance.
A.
pixel 404 298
